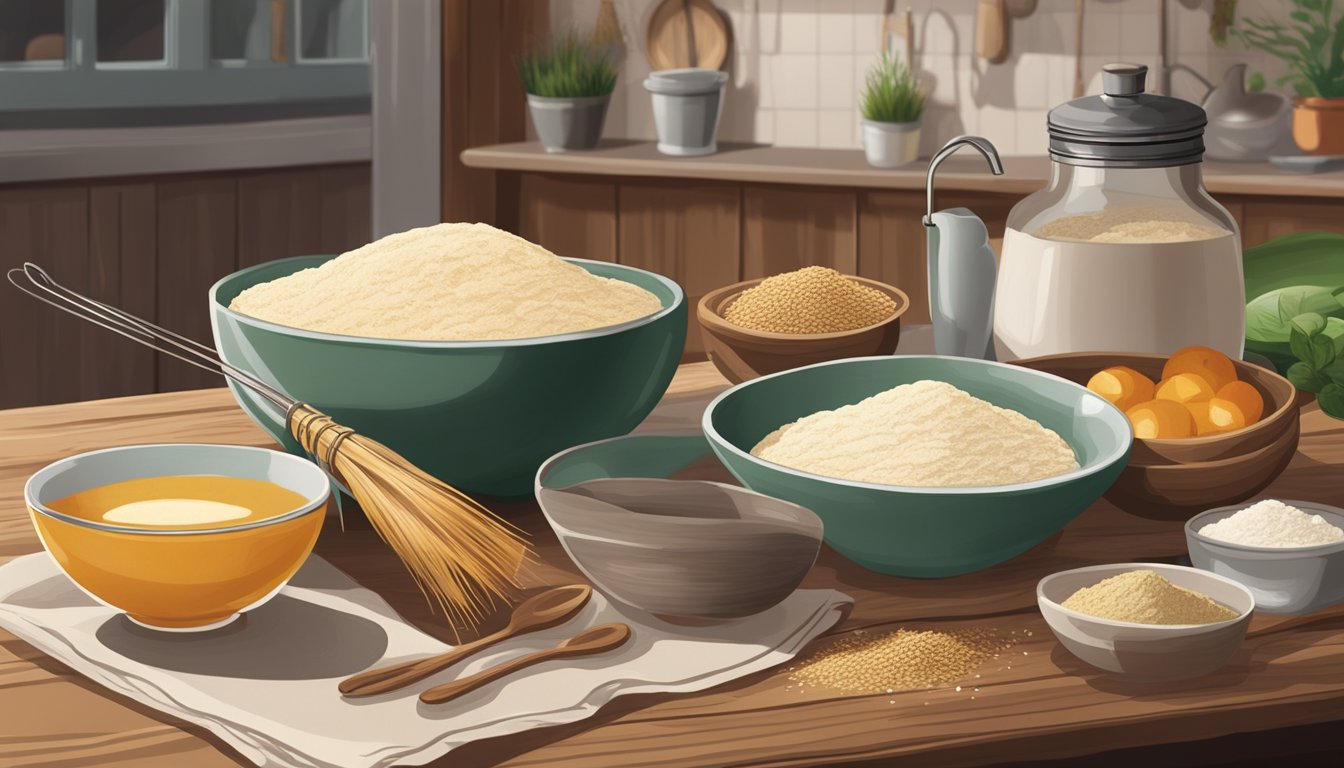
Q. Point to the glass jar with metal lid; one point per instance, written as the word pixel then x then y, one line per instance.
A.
pixel 1124 250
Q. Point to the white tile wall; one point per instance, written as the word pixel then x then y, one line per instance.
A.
pixel 798 65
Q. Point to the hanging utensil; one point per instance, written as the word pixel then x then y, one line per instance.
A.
pixel 991 31
pixel 678 28
pixel 1078 49
pixel 691 54
pixel 460 553
pixel 898 28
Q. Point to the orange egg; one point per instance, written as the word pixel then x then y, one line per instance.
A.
pixel 1246 397
pixel 1199 411
pixel 1215 367
pixel 1161 419
pixel 1226 415
pixel 1185 388
pixel 1122 386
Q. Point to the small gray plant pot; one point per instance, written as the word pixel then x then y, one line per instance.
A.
pixel 566 125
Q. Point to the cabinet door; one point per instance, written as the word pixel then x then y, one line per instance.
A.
pixel 688 232
pixel 1265 219
pixel 787 228
pixel 569 216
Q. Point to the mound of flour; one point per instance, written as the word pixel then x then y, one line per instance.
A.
pixel 448 282
pixel 927 434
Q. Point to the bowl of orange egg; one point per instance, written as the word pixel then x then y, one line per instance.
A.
pixel 179 537
pixel 1208 430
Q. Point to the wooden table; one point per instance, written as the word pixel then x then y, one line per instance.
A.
pixel 1284 690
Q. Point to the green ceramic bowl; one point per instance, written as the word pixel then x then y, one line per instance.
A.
pixel 480 415
pixel 924 532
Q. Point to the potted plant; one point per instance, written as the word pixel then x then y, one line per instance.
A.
pixel 1311 42
pixel 892 105
pixel 568 85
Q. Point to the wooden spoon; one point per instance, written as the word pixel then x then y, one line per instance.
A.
pixel 599 639
pixel 548 609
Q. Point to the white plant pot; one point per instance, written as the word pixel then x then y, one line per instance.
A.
pixel 890 145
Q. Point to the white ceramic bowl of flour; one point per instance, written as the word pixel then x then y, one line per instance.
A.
pixel 1282 579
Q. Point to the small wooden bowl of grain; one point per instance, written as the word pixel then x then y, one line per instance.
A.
pixel 742 353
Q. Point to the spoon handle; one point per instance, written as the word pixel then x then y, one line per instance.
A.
pixel 449 691
pixel 372 682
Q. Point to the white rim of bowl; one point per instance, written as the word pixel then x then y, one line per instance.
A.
pixel 44 473
pixel 1288 552
pixel 1119 568
pixel 678 298
pixel 706 423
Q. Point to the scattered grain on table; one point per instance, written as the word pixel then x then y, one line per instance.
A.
pixel 809 300
pixel 863 662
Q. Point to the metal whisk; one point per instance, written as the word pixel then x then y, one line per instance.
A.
pixel 460 553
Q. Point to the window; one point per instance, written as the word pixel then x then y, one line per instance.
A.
pixel 149 59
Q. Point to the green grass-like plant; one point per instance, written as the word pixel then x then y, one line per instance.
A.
pixel 891 93
pixel 1311 42
pixel 571 67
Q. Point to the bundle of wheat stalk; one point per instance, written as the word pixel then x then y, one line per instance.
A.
pixel 461 554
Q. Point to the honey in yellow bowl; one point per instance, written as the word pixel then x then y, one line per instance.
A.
pixel 187 550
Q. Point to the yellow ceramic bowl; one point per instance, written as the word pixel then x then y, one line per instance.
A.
pixel 179 579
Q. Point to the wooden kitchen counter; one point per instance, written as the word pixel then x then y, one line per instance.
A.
pixel 1283 693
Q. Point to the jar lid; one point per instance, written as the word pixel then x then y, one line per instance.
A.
pixel 685 82
pixel 1125 127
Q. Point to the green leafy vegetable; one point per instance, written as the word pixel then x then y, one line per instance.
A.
pixel 891 93
pixel 1295 310
pixel 1318 343
pixel 572 67
pixel 1331 398
pixel 1302 258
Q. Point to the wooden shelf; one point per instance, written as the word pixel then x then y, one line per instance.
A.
pixel 757 163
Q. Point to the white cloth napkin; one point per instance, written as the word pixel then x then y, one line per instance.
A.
pixel 267 683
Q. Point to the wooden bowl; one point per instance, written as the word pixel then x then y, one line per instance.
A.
pixel 741 354
pixel 1174 479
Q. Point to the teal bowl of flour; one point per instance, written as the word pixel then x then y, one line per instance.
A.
pixel 915 531
pixel 479 415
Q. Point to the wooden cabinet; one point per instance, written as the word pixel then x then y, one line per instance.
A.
pixel 153 246
pixel 689 229
pixel 1264 220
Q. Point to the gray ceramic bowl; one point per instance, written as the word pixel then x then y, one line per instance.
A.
pixel 1146 651
pixel 1282 579
pixel 680 549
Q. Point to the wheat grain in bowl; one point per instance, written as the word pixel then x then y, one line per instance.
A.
pixel 447 282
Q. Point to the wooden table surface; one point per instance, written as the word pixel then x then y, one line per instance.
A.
pixel 1039 704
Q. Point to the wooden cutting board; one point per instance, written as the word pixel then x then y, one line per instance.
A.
pixel 669 42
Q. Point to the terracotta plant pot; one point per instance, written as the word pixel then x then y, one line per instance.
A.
pixel 1318 125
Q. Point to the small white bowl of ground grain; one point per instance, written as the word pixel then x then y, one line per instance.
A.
pixel 1215 612
pixel 786 321
pixel 1289 554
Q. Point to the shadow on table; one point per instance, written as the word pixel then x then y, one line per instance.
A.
pixel 285 639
